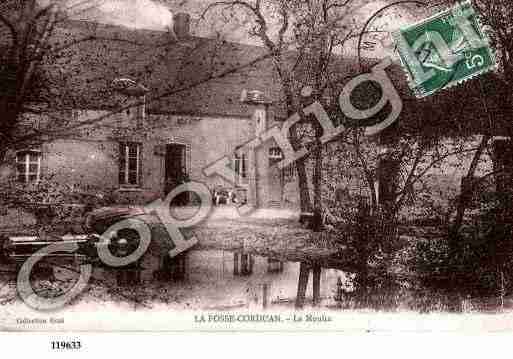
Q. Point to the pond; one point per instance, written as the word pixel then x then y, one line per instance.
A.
pixel 219 279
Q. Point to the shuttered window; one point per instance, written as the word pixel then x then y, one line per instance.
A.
pixel 240 164
pixel 129 163
pixel 28 166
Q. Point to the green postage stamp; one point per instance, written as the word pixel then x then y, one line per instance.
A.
pixel 444 50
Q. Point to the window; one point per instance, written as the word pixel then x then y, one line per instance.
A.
pixel 261 126
pixel 129 163
pixel 289 172
pixel 28 166
pixel 241 165
pixel 243 264
pixel 275 155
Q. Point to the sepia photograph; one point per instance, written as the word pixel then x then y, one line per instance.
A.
pixel 256 165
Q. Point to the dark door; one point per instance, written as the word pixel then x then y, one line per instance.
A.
pixel 176 171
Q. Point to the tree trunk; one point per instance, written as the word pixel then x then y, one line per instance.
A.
pixel 265 295
pixel 389 168
pixel 304 193
pixel 235 263
pixel 302 176
pixel 304 272
pixel 317 174
pixel 3 153
pixel 466 192
pixel 316 279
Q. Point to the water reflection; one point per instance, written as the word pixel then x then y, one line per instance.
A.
pixel 217 279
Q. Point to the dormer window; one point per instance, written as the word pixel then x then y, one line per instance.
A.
pixel 137 92
pixel 275 155
pixel 129 87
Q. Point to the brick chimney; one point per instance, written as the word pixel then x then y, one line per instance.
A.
pixel 181 25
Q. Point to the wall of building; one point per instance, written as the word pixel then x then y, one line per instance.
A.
pixel 90 157
pixel 208 139
pixel 272 189
pixel 87 162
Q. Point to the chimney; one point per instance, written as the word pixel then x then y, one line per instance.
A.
pixel 181 25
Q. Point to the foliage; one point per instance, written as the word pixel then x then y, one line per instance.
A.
pixel 56 206
pixel 479 265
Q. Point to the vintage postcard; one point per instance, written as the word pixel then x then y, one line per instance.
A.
pixel 255 166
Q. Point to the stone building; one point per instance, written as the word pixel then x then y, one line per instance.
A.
pixel 189 114
pixel 160 106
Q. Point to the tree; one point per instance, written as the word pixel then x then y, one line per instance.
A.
pixel 303 39
pixel 49 64
pixel 26 29
pixel 492 90
pixel 42 55
pixel 306 41
pixel 496 15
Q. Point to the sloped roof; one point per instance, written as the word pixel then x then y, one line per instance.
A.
pixel 176 73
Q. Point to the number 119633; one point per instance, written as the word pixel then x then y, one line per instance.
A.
pixel 66 345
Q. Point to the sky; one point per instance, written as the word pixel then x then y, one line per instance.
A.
pixel 158 14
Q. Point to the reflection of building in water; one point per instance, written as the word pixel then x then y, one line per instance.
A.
pixel 243 263
pixel 216 278
pixel 274 265
pixel 175 268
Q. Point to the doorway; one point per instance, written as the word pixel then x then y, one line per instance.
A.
pixel 176 170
